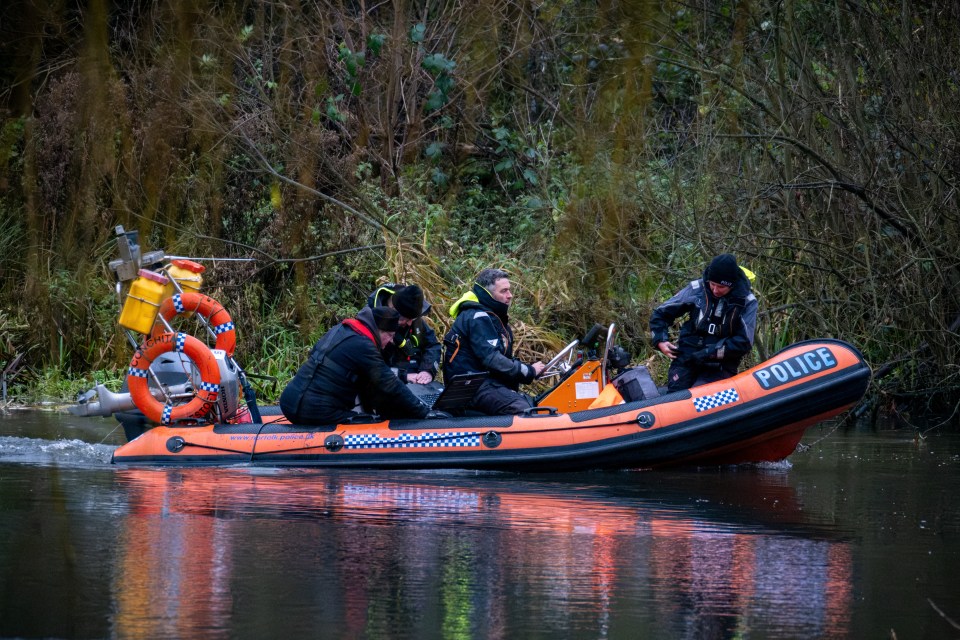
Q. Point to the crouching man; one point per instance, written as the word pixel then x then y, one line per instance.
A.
pixel 346 370
pixel 721 318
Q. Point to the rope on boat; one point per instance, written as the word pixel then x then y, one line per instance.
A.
pixel 253 449
pixel 438 437
pixel 852 415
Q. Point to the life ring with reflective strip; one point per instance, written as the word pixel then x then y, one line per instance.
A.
pixel 206 392
pixel 210 309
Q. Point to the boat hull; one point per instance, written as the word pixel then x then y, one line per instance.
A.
pixel 759 415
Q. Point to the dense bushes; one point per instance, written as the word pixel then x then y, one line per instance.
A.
pixel 601 154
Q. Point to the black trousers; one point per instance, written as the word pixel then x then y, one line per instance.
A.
pixel 495 399
pixel 684 376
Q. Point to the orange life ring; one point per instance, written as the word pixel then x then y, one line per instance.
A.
pixel 201 356
pixel 210 309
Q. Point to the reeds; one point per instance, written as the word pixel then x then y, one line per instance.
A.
pixel 600 158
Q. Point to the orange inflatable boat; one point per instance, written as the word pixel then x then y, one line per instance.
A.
pixel 182 403
pixel 581 424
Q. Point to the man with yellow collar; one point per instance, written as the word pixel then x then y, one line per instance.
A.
pixel 481 340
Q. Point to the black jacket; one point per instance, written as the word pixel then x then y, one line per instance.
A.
pixel 716 329
pixel 417 344
pixel 345 364
pixel 481 340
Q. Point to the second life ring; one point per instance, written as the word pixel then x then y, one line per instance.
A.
pixel 207 389
pixel 210 309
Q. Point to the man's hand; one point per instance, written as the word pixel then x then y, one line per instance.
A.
pixel 537 368
pixel 668 348
pixel 422 377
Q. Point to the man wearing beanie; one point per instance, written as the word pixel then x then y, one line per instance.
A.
pixel 415 350
pixel 346 370
pixel 721 319
pixel 481 340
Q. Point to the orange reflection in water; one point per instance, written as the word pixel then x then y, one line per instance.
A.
pixel 157 590
pixel 585 555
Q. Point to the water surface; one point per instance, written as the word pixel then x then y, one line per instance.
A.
pixel 856 537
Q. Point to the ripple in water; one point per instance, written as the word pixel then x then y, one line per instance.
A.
pixel 61 453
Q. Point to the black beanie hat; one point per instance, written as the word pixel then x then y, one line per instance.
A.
pixel 387 319
pixel 723 270
pixel 408 301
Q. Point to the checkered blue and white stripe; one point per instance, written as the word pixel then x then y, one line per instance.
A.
pixel 404 440
pixel 705 403
pixel 178 303
pixel 165 415
pixel 209 386
pixel 223 328
pixel 179 341
pixel 138 373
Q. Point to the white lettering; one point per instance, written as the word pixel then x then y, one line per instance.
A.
pixel 795 368
pixel 811 358
pixel 793 372
pixel 779 373
pixel 827 356
pixel 764 377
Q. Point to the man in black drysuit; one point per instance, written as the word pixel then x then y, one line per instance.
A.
pixel 346 370
pixel 481 340
pixel 415 350
pixel 718 333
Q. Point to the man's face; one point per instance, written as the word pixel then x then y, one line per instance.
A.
pixel 501 291
pixel 718 289
pixel 404 322
pixel 386 337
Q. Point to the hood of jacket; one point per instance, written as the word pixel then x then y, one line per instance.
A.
pixel 366 317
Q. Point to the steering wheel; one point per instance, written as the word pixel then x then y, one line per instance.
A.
pixel 560 363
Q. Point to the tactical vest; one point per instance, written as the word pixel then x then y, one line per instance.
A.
pixel 718 316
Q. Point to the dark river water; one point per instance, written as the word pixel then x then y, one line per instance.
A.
pixel 856 537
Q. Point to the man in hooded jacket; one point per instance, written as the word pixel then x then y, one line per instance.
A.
pixel 346 368
pixel 718 332
pixel 415 350
pixel 481 340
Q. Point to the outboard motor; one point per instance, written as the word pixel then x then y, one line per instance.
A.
pixel 228 399
pixel 178 376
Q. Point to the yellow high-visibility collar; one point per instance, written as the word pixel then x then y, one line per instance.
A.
pixel 469 296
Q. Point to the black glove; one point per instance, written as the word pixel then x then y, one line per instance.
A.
pixel 699 357
pixel 433 413
pixel 693 358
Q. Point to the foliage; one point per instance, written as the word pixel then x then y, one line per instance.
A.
pixel 600 152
